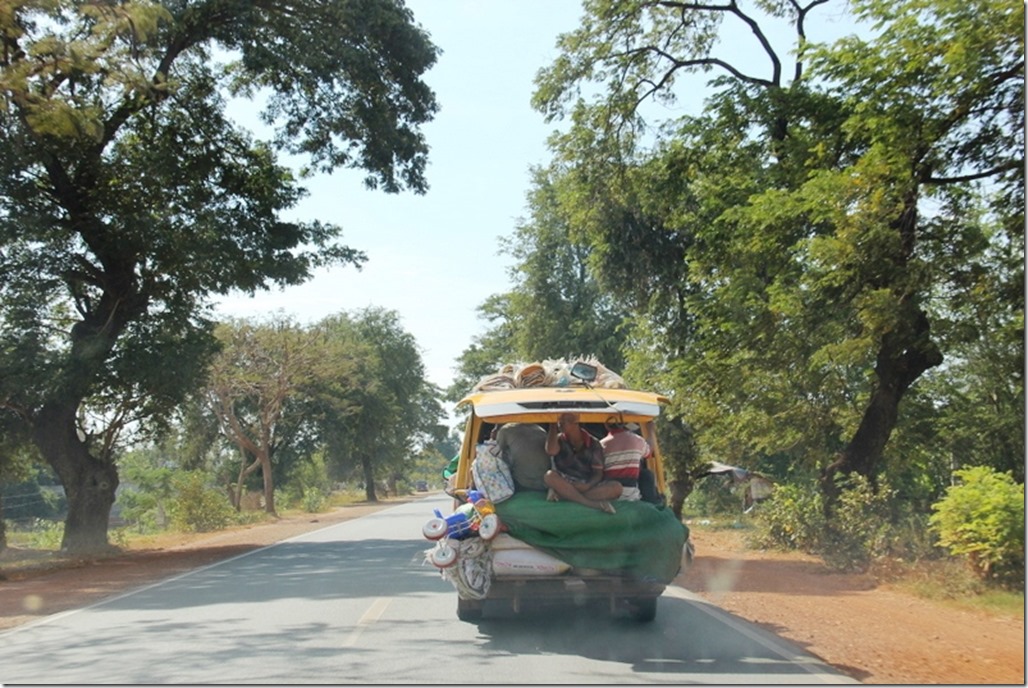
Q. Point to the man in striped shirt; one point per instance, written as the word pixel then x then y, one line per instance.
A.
pixel 623 452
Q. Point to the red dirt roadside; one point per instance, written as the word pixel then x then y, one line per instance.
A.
pixel 873 633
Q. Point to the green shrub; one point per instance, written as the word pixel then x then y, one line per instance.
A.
pixel 791 518
pixel 794 518
pixel 46 534
pixel 909 537
pixel 860 526
pixel 142 510
pixel 313 500
pixel 118 537
pixel 983 520
pixel 307 485
pixel 198 507
pixel 712 497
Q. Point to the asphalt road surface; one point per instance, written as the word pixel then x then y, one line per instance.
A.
pixel 357 603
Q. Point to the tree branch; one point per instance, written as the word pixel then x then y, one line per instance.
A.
pixel 677 64
pixel 1006 167
pixel 801 31
pixel 732 7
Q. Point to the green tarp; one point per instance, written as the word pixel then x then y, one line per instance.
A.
pixel 641 540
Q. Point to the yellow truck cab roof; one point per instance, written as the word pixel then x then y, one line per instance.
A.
pixel 545 404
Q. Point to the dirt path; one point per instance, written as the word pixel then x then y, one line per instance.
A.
pixel 874 634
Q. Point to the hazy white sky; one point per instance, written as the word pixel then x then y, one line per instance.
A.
pixel 434 258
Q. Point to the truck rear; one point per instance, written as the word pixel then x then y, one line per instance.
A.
pixel 560 551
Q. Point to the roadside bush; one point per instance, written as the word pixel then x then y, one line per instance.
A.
pixel 793 518
pixel 983 519
pixel 143 511
pixel 712 497
pixel 307 486
pixel 147 488
pixel 198 507
pixel 313 500
pixel 119 537
pixel 860 525
pixel 45 534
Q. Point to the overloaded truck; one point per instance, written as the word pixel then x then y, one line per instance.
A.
pixel 533 549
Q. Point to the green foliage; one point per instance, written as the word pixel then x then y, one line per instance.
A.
pixel 712 497
pixel 308 485
pixel 857 532
pixel 197 507
pixel 982 519
pixel 146 489
pixel 791 518
pixel 142 510
pixel 313 500
pixel 794 248
pixel 44 534
pixel 129 198
pixel 389 411
pixel 312 474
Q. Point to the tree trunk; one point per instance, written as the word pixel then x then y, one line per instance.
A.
pixel 369 480
pixel 680 489
pixel 89 484
pixel 269 484
pixel 244 470
pixel 902 359
pixel 3 528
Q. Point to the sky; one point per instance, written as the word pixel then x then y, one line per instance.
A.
pixel 435 258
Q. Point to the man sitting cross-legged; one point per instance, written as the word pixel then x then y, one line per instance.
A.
pixel 577 472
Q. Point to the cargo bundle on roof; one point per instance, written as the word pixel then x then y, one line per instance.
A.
pixel 547 373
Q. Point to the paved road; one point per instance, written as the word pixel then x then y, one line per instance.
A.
pixel 356 603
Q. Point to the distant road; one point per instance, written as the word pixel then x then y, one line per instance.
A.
pixel 356 603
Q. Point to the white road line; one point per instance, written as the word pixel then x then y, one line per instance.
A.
pixel 373 614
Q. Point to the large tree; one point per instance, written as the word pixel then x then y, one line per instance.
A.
pixel 259 389
pixel 379 425
pixel 824 206
pixel 128 198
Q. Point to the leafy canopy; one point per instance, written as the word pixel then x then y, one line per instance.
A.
pixel 820 215
pixel 127 195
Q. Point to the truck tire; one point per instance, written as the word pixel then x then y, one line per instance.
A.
pixel 469 610
pixel 642 609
